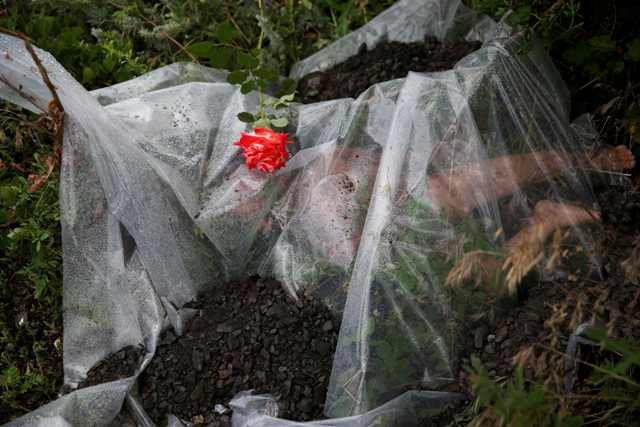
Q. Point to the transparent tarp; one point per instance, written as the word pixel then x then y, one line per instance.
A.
pixel 397 209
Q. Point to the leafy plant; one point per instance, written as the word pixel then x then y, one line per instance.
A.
pixel 514 402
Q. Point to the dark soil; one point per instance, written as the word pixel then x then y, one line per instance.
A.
pixel 121 364
pixel 30 344
pixel 386 61
pixel 246 336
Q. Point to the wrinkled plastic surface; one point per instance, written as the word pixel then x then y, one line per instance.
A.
pixel 157 205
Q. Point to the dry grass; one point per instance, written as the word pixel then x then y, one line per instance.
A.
pixel 519 260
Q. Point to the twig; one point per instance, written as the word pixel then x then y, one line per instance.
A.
pixel 41 69
pixel 606 172
pixel 55 110
pixel 180 46
pixel 235 24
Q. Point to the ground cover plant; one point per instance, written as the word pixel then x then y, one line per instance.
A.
pixel 102 43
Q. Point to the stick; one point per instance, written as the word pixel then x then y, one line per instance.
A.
pixel 41 69
pixel 55 108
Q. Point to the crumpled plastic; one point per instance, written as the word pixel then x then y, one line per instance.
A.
pixel 157 206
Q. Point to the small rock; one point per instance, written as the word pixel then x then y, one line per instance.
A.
pixel 197 359
pixel 478 336
pixel 224 328
pixel 328 326
pixel 305 405
pixel 502 333
pixel 490 348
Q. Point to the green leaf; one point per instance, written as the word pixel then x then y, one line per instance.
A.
pixel 221 57
pixel 18 234
pixel 247 61
pixel 108 63
pixel 41 286
pixel 578 55
pixel 262 123
pixel 246 117
pixel 287 98
pixel 603 43
pixel 520 16
pixel 88 75
pixel 226 33
pixel 247 87
pixel 269 74
pixel 288 86
pixel 280 122
pixel 633 50
pixel 202 49
pixel 237 77
pixel 10 377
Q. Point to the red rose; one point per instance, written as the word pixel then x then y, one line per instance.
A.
pixel 264 149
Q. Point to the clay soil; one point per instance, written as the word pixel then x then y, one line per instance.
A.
pixel 246 336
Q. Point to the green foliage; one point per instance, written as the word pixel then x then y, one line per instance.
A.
pixel 611 387
pixel 30 241
pixel 31 260
pixel 614 381
pixel 516 403
pixel 600 53
pixel 101 59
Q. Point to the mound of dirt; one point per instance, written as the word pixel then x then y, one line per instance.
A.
pixel 246 336
pixel 386 61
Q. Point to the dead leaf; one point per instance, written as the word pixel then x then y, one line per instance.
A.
pixel 37 181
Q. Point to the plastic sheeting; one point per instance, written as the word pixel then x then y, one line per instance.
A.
pixel 383 196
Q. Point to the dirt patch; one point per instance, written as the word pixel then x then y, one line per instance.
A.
pixel 246 336
pixel 386 61
pixel 30 348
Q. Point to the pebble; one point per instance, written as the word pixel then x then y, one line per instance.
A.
pixel 478 336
